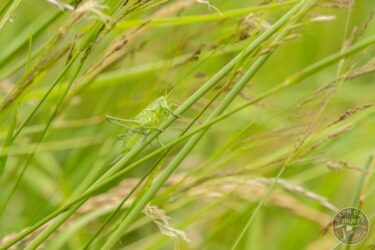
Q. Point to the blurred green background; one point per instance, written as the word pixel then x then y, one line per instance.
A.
pixel 173 57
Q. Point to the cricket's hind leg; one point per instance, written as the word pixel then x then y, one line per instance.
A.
pixel 132 125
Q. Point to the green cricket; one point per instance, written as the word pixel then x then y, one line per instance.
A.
pixel 147 120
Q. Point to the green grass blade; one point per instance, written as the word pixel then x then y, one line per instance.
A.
pixel 7 143
pixel 114 237
pixel 10 8
pixel 185 20
pixel 314 69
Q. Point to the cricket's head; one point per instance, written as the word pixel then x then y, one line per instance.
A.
pixel 159 107
pixel 163 106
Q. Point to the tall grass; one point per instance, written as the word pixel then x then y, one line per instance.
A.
pixel 62 73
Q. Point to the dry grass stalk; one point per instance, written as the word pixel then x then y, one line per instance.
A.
pixel 253 190
pixel 116 51
pixel 91 7
pixel 291 187
pixel 159 217
pixel 334 165
pixel 350 113
pixel 326 242
pixel 341 4
pixel 110 198
pixel 43 65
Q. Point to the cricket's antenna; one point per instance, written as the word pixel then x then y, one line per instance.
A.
pixel 166 90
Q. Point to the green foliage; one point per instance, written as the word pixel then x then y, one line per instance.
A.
pixel 266 135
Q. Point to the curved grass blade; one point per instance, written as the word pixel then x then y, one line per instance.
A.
pixel 7 143
pixel 291 81
pixel 10 8
pixel 114 237
pixel 184 20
